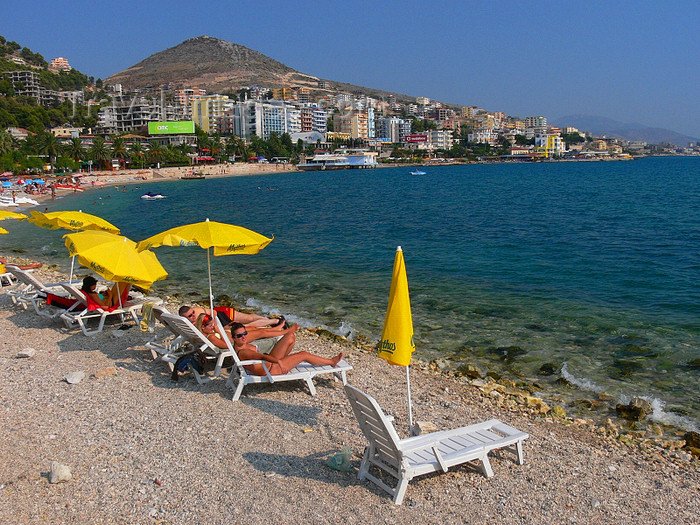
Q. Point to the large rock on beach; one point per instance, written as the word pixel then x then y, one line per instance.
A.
pixel 637 409
pixel 59 473
pixel 26 353
pixel 74 377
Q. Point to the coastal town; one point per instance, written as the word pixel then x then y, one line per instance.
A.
pixel 97 126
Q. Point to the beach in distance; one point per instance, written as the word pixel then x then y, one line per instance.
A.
pixel 144 449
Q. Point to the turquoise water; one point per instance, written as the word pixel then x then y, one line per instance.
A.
pixel 589 266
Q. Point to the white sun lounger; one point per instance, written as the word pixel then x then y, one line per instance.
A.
pixel 81 318
pixel 30 290
pixel 407 458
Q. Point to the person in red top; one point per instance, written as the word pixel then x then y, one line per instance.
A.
pixel 110 299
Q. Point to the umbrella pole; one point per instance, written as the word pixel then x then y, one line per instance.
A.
pixel 211 295
pixel 410 412
pixel 72 263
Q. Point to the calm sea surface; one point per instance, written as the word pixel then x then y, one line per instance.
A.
pixel 589 266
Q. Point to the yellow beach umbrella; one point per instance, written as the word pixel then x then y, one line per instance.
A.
pixel 71 220
pixel 4 215
pixel 226 239
pixel 115 258
pixel 397 345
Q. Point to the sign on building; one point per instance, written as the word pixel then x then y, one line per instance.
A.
pixel 171 128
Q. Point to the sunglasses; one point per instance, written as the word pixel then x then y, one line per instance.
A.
pixel 239 335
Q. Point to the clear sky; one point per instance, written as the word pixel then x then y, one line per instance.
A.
pixel 632 61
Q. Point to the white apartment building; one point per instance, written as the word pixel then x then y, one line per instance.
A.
pixel 127 113
pixel 483 136
pixel 262 119
pixel 392 128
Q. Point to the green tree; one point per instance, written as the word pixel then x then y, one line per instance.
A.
pixel 50 145
pixel 137 153
pixel 118 148
pixel 6 142
pixel 74 149
pixel 99 152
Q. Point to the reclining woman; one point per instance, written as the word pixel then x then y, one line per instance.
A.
pixel 280 360
pixel 108 300
pixel 269 336
pixel 229 316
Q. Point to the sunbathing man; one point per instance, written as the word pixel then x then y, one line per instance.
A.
pixel 267 336
pixel 193 312
pixel 112 298
pixel 31 266
pixel 280 360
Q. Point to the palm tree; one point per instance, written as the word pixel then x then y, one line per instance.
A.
pixel 74 149
pixel 99 152
pixel 118 148
pixel 156 152
pixel 136 152
pixel 49 145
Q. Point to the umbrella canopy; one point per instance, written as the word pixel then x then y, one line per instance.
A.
pixel 71 220
pixel 4 215
pixel 7 184
pixel 115 257
pixel 226 239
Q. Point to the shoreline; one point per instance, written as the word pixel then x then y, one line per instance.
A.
pixel 145 449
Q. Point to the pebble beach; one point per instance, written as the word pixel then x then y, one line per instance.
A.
pixel 143 449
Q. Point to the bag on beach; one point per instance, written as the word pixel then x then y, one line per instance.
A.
pixel 195 359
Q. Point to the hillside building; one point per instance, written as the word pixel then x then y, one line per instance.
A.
pixel 207 111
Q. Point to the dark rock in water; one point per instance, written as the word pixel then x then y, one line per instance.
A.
pixel 583 403
pixel 637 410
pixel 494 375
pixel 692 439
pixel 223 300
pixel 694 364
pixel 536 328
pixel 548 369
pixel 508 353
pixel 562 381
pixel 628 366
pixel 468 371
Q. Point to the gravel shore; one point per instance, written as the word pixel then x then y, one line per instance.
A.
pixel 144 449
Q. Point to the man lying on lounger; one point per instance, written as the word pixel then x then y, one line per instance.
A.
pixel 228 315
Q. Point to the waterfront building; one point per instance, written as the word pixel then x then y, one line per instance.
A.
pixel 483 136
pixel 549 144
pixel 127 113
pixel 185 97
pixel 353 123
pixel 262 119
pixel 208 110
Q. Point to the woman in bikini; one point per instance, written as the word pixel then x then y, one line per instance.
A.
pixel 207 325
pixel 112 298
pixel 280 360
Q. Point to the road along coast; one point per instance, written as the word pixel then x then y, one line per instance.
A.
pixel 144 449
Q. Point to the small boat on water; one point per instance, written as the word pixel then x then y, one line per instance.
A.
pixel 193 176
pixel 417 172
pixel 152 196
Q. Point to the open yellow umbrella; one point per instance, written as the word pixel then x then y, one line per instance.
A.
pixel 115 258
pixel 4 215
pixel 71 220
pixel 397 345
pixel 226 239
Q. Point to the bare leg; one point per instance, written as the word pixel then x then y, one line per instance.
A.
pixel 253 319
pixel 292 360
pixel 284 346
pixel 112 298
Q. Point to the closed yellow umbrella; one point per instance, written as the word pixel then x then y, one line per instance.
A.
pixel 3 231
pixel 397 344
pixel 225 239
pixel 115 258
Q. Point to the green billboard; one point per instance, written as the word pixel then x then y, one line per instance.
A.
pixel 170 128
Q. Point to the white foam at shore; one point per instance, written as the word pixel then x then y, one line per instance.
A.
pixel 583 384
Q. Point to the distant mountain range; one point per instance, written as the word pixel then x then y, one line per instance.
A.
pixel 600 126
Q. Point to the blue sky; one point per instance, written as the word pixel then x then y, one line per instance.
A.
pixel 629 61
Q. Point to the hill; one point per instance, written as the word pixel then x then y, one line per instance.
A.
pixel 600 126
pixel 220 66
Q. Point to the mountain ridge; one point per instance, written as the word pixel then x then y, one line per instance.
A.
pixel 632 131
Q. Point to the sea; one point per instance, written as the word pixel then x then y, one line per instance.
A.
pixel 580 277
